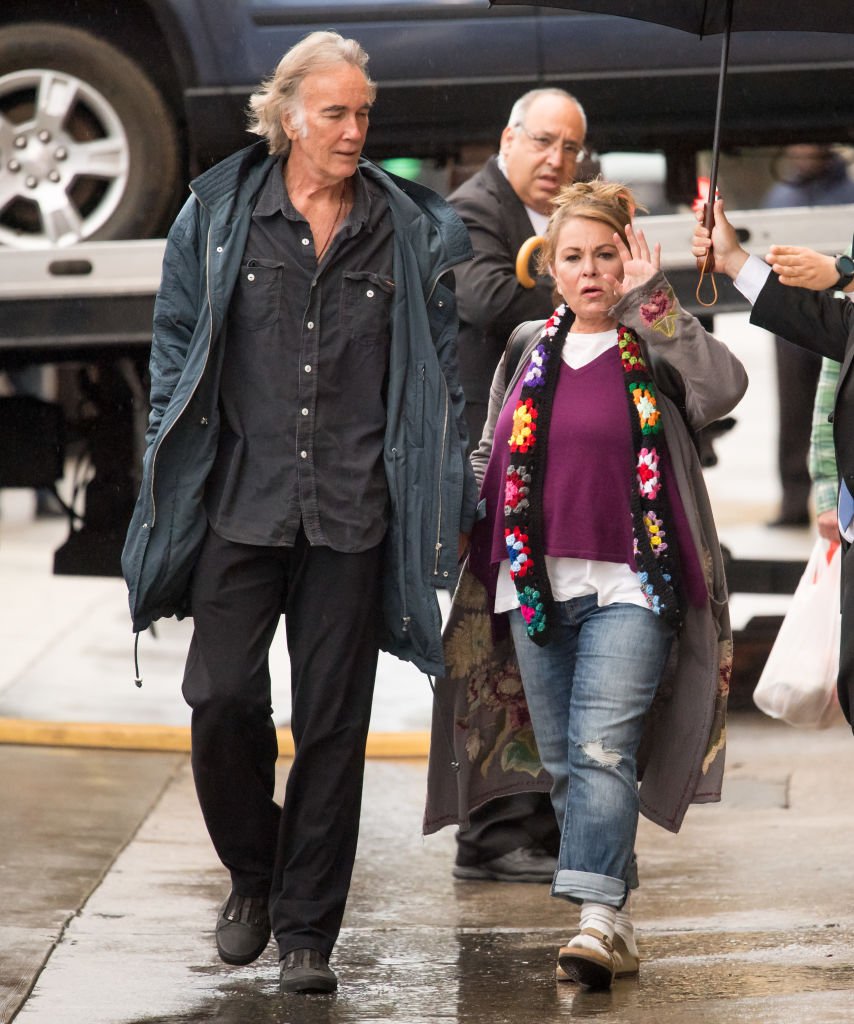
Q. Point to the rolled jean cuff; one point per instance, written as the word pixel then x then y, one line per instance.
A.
pixel 585 885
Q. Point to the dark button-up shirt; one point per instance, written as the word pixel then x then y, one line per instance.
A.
pixel 302 395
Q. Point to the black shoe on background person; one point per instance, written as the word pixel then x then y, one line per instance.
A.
pixel 306 970
pixel 527 864
pixel 790 519
pixel 242 929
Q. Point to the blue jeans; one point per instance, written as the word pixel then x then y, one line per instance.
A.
pixel 588 691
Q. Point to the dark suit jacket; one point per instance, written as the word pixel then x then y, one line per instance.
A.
pixel 824 324
pixel 490 300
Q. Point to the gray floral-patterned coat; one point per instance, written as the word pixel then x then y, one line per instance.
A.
pixel 482 742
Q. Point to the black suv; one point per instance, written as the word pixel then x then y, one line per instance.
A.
pixel 107 107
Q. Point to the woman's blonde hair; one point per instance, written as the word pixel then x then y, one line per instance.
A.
pixel 279 94
pixel 607 201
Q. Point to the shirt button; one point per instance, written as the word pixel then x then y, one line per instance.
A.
pixel 303 455
pixel 219 248
pixel 310 325
pixel 204 421
pixel 250 277
pixel 305 241
pixel 441 303
pixel 304 412
pixel 308 368
pixel 370 293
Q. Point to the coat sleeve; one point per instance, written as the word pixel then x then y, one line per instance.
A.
pixel 822 453
pixel 814 320
pixel 445 339
pixel 489 294
pixel 480 456
pixel 712 378
pixel 176 312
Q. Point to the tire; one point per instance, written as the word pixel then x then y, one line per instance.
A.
pixel 103 161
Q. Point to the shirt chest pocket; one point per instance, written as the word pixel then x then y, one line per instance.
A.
pixel 257 296
pixel 366 307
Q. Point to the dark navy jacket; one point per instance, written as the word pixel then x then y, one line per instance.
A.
pixel 431 485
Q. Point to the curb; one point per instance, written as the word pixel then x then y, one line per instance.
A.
pixel 175 739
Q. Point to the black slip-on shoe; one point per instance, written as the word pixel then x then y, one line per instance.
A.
pixel 242 929
pixel 522 865
pixel 306 970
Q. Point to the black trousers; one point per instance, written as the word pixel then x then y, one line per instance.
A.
pixel 300 854
pixel 508 823
pixel 845 679
pixel 797 379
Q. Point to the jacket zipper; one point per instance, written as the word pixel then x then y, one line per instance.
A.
pixel 405 618
pixel 196 383
pixel 440 504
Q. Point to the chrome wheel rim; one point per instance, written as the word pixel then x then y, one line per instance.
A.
pixel 64 159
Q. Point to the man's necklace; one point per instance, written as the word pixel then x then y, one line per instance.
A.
pixel 325 245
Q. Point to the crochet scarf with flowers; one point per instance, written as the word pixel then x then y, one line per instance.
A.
pixel 524 534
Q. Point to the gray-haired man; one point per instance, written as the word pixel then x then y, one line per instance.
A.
pixel 306 456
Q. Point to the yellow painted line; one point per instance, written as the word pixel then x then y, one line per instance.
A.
pixel 168 738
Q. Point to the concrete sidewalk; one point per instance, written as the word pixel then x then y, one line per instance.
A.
pixel 111 888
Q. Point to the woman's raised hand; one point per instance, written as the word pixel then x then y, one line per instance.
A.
pixel 639 264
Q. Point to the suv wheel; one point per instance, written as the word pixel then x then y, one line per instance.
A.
pixel 88 146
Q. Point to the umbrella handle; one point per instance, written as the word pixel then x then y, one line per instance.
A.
pixel 523 259
pixel 705 264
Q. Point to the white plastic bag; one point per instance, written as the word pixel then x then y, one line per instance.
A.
pixel 798 683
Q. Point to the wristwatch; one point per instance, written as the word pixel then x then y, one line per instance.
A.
pixel 845 269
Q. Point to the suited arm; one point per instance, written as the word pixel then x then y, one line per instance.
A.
pixel 814 320
pixel 488 292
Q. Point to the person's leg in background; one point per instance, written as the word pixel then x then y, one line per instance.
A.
pixel 797 379
pixel 510 839
pixel 845 679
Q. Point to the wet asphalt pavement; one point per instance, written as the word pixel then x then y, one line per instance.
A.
pixel 109 888
pixel 110 892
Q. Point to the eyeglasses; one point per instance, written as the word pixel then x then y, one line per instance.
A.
pixel 543 143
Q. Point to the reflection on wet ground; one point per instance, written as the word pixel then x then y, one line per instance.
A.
pixel 743 918
pixel 415 976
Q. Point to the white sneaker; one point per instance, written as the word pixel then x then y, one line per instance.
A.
pixel 589 959
pixel 626 963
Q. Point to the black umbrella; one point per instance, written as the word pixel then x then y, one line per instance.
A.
pixel 714 17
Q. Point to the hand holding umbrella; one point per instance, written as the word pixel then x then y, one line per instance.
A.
pixel 703 17
pixel 728 255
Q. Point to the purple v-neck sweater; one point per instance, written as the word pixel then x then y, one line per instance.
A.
pixel 589 468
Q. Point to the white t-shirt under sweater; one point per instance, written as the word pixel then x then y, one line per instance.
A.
pixel 576 577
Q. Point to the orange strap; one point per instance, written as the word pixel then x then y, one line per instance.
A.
pixel 703 271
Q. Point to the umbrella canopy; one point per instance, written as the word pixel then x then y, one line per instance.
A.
pixel 712 17
pixel 709 17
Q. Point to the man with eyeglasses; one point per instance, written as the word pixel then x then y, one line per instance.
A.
pixel 502 205
pixel 515 838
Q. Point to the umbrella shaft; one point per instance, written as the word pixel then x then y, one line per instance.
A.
pixel 716 141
